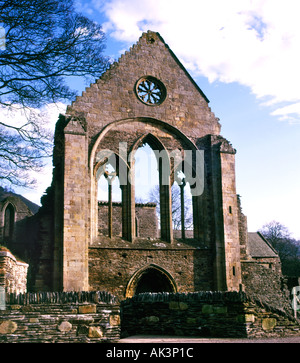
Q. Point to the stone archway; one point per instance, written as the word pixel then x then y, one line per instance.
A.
pixel 150 279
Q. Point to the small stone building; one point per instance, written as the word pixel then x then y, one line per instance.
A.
pixel 147 97
pixel 16 234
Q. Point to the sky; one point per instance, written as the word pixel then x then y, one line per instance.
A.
pixel 244 55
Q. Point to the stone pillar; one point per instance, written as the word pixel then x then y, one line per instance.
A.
pixel 217 222
pixel 165 204
pixel 182 185
pixel 75 222
pixel 227 247
pixel 223 211
pixel 128 212
pixel 230 218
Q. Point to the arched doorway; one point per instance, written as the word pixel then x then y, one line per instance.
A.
pixel 150 279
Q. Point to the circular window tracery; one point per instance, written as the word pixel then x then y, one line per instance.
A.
pixel 150 91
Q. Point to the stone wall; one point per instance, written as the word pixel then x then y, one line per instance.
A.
pixel 146 219
pixel 83 317
pixel 190 268
pixel 97 317
pixel 113 96
pixel 261 280
pixel 207 314
pixel 13 273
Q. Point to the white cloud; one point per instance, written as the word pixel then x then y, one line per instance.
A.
pixel 18 116
pixel 290 113
pixel 252 42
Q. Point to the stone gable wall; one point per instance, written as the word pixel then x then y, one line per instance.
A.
pixel 184 106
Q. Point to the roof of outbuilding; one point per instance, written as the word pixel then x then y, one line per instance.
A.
pixel 11 196
pixel 259 246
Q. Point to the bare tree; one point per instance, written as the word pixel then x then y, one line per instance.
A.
pixel 46 41
pixel 176 207
pixel 287 247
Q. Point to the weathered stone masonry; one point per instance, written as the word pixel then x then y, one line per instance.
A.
pixel 97 317
pixel 13 273
pixel 206 314
pixel 72 247
pixel 83 317
pixel 111 113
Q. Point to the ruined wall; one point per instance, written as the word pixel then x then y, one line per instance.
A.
pixel 13 273
pixel 108 113
pixel 262 275
pixel 266 282
pixel 243 230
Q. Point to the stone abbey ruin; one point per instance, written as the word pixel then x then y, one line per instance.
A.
pixel 76 243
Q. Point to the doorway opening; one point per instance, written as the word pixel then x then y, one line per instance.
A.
pixel 150 279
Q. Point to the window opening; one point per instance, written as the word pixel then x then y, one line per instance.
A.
pixel 146 181
pixel 233 270
pixel 182 211
pixel 9 221
pixel 110 206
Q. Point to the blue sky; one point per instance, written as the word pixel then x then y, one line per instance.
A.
pixel 244 56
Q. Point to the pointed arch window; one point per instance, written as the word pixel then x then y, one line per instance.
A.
pixel 9 222
pixel 155 165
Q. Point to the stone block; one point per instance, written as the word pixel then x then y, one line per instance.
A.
pixel 33 320
pixel 87 309
pixel 268 323
pixel 183 306
pixel 95 332
pixel 78 320
pixel 8 327
pixel 152 319
pixel 114 320
pixel 220 309
pixel 173 305
pixel 191 320
pixel 249 318
pixel 15 307
pixel 64 326
pixel 207 309
pixel 245 318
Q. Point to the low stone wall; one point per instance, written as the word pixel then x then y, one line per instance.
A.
pixel 97 317
pixel 209 314
pixel 13 273
pixel 73 317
